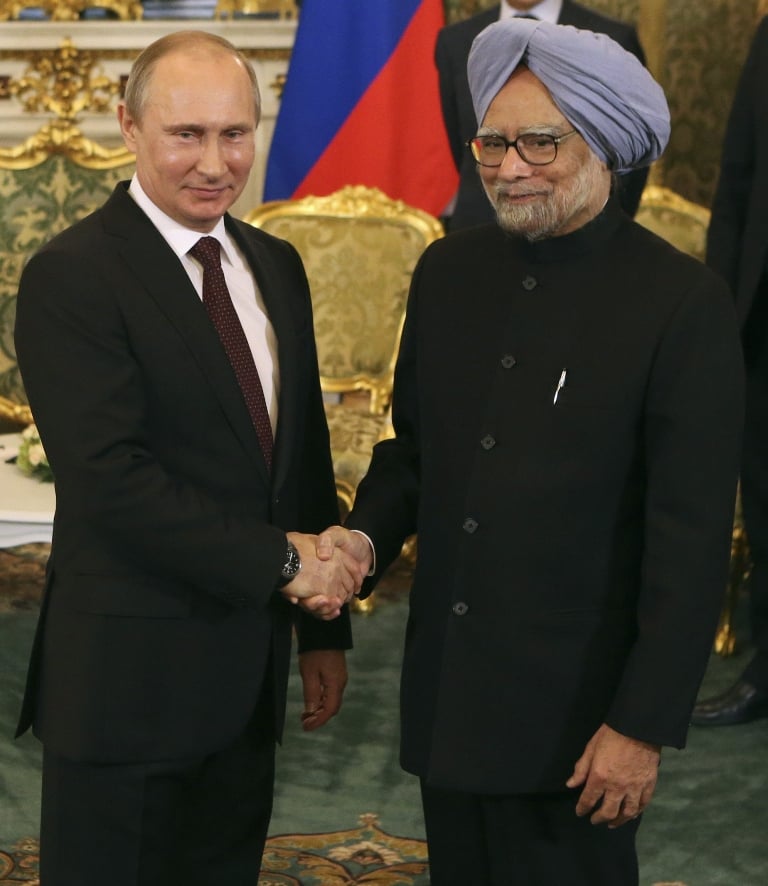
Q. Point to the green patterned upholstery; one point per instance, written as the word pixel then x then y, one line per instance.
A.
pixel 37 203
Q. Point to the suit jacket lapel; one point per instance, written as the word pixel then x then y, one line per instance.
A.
pixel 271 285
pixel 166 282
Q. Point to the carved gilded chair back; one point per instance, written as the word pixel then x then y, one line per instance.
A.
pixel 359 248
pixel 680 221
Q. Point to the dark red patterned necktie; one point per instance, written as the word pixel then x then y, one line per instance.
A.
pixel 221 311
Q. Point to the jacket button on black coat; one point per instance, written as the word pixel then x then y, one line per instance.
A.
pixel 459 609
pixel 508 361
pixel 530 283
pixel 470 525
pixel 488 442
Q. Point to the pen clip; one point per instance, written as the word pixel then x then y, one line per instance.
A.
pixel 560 386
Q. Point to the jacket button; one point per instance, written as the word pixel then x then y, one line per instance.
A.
pixel 488 442
pixel 508 361
pixel 530 283
pixel 459 609
pixel 470 525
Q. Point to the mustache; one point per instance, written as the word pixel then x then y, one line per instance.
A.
pixel 502 190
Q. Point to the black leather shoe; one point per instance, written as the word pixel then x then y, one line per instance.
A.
pixel 741 703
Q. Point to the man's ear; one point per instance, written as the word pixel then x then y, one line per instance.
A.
pixel 127 126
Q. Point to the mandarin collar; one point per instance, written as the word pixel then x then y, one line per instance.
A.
pixel 579 242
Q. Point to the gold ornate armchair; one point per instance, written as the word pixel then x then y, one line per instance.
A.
pixel 359 248
pixel 680 221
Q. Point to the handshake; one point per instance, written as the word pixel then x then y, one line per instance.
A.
pixel 333 566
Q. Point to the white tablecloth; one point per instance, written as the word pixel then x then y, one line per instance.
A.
pixel 26 504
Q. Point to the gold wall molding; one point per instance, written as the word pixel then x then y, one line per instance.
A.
pixel 70 10
pixel 63 83
pixel 255 53
pixel 230 8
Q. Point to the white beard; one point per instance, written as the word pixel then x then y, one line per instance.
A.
pixel 550 214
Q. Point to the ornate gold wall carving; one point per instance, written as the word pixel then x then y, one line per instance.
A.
pixel 63 83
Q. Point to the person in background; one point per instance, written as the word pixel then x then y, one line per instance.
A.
pixel 168 354
pixel 737 248
pixel 451 51
pixel 567 413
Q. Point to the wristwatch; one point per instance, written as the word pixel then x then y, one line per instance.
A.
pixel 291 567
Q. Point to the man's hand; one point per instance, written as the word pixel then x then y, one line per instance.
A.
pixel 324 676
pixel 352 543
pixel 618 773
pixel 322 586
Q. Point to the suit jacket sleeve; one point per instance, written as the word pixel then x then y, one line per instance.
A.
pixel 693 413
pixel 387 498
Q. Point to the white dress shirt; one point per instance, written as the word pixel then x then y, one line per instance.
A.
pixel 246 298
pixel 547 11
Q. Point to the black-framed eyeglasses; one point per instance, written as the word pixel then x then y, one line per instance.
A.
pixel 535 148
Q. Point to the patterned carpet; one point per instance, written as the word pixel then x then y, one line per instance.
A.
pixel 365 854
pixel 23 571
pixel 690 835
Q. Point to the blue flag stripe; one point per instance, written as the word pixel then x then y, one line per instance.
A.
pixel 340 47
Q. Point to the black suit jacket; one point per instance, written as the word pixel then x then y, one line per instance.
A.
pixel 451 53
pixel 737 242
pixel 573 550
pixel 161 622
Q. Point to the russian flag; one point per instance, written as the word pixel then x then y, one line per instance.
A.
pixel 361 105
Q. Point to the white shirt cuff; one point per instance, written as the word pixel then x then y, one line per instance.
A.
pixel 372 570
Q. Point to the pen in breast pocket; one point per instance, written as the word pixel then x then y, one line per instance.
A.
pixel 560 386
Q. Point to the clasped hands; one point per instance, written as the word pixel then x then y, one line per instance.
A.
pixel 333 566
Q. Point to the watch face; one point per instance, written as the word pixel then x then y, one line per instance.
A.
pixel 292 562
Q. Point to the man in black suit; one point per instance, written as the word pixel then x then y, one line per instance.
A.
pixel 451 51
pixel 737 248
pixel 567 415
pixel 192 464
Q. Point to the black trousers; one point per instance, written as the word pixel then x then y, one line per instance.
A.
pixel 525 840
pixel 200 822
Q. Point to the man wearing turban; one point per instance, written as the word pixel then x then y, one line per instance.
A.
pixel 451 51
pixel 567 409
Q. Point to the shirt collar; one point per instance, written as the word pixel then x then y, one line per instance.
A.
pixel 547 11
pixel 179 238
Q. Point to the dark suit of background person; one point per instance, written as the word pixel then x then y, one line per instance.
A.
pixel 162 636
pixel 451 52
pixel 737 248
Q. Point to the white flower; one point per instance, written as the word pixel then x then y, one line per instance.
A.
pixel 36 454
pixel 31 459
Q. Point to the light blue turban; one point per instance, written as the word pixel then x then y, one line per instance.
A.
pixel 603 90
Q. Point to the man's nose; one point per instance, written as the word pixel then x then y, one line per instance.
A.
pixel 513 165
pixel 211 161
